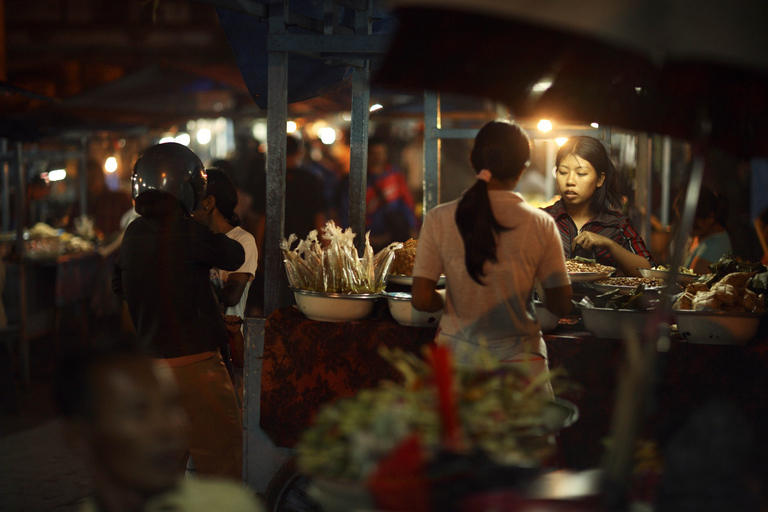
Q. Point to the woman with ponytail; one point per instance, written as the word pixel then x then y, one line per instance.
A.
pixel 588 213
pixel 492 248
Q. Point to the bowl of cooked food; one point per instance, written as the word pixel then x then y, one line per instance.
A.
pixel 335 307
pixel 684 275
pixel 628 285
pixel 717 327
pixel 405 314
pixel 401 271
pixel 585 270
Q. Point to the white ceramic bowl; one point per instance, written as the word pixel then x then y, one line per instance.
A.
pixel 547 319
pixel 615 323
pixel 335 307
pixel 717 327
pixel 405 314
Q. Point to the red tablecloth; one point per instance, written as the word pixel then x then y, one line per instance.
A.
pixel 308 363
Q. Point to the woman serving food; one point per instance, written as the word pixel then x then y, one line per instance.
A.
pixel 492 247
pixel 587 215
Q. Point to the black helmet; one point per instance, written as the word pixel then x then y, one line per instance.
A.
pixel 172 168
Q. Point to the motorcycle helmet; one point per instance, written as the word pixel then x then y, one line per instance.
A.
pixel 171 168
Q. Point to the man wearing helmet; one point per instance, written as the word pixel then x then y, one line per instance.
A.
pixel 162 272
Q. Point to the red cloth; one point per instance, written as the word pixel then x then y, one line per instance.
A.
pixel 308 363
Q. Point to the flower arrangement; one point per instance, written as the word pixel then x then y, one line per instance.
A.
pixel 495 409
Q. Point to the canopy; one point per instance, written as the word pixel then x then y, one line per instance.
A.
pixel 308 76
pixel 696 70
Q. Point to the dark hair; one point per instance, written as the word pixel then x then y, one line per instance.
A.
pixel 74 386
pixel 709 203
pixel 502 148
pixel 593 151
pixel 221 187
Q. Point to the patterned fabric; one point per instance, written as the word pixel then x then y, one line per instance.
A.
pixel 308 363
pixel 610 224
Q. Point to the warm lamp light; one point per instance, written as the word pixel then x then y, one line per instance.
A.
pixel 111 164
pixel 545 125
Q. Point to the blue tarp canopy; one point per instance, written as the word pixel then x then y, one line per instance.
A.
pixel 308 76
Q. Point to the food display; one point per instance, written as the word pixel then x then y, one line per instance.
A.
pixel 583 269
pixel 43 241
pixel 728 294
pixel 633 282
pixel 405 257
pixel 619 315
pixel 500 411
pixel 580 265
pixel 628 285
pixel 336 268
pixel 401 271
pixel 681 269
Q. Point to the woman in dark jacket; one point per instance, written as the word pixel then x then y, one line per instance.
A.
pixel 163 273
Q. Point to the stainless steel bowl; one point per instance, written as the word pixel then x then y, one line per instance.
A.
pixel 615 323
pixel 717 327
pixel 664 274
pixel 335 307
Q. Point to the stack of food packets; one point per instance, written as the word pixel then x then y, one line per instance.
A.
pixel 336 266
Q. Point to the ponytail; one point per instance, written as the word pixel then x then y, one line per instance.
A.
pixel 478 228
pixel 501 150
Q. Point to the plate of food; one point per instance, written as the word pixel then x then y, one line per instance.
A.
pixel 629 284
pixel 583 270
pixel 684 274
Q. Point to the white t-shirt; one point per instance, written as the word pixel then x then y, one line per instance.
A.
pixel 219 277
pixel 500 314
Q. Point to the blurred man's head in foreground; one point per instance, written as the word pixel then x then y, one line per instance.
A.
pixel 122 413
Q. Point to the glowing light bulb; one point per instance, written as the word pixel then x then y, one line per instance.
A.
pixel 327 135
pixel 111 164
pixel 291 127
pixel 204 136
pixel 183 138
pixel 561 140
pixel 545 125
pixel 57 175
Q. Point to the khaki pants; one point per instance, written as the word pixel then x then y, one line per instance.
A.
pixel 215 432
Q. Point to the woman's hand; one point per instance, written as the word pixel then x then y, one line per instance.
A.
pixel 590 241
pixel 626 261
